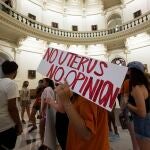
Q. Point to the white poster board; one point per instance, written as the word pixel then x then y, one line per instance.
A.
pixel 96 80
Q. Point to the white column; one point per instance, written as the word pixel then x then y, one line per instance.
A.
pixel 84 27
pixel 18 5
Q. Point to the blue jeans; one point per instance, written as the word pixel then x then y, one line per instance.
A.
pixel 142 126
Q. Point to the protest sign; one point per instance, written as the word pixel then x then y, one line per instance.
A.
pixel 96 80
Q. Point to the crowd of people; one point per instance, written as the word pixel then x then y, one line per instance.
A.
pixel 69 119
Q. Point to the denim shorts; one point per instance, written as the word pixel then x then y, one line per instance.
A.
pixel 142 126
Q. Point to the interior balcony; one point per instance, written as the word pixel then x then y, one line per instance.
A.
pixel 15 26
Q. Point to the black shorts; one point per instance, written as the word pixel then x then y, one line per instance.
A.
pixel 8 139
pixel 62 122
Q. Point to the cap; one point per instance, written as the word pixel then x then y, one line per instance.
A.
pixel 137 65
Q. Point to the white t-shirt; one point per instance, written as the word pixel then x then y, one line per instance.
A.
pixel 48 93
pixel 50 134
pixel 25 94
pixel 8 90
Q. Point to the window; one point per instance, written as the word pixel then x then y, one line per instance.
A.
pixel 74 28
pixel 54 25
pixel 113 21
pixel 94 27
pixel 31 16
pixel 119 61
pixel 137 14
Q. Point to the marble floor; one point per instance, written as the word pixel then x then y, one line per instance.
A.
pixel 28 141
pixel 31 141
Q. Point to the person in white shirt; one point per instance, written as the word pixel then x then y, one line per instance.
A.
pixel 10 125
pixel 25 100
pixel 48 134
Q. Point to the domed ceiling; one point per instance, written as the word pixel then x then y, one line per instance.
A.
pixel 83 3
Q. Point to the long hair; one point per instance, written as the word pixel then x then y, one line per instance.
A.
pixel 24 83
pixel 138 78
pixel 50 83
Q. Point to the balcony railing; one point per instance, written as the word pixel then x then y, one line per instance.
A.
pixel 72 35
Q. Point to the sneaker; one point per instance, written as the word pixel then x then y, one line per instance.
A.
pixel 29 125
pixel 112 139
pixel 117 137
pixel 111 134
pixel 33 128
pixel 23 121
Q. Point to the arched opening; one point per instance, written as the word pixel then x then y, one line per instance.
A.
pixel 119 61
pixel 114 21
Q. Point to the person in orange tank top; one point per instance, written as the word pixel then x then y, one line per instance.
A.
pixel 88 123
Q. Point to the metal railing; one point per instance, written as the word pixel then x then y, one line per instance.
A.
pixel 72 34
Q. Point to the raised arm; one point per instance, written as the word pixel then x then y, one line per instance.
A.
pixel 57 106
pixel 75 118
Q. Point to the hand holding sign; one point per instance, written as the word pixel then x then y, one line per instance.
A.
pixel 64 93
pixel 96 80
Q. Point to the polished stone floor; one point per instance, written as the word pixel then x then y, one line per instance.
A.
pixel 31 141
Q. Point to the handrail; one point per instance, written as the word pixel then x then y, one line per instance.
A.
pixel 75 35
